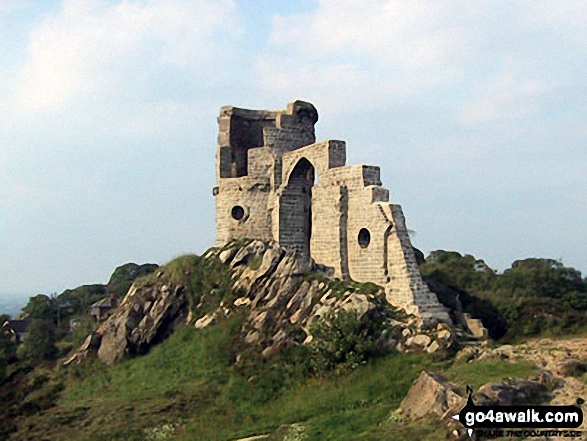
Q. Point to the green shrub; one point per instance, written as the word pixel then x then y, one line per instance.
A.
pixel 39 343
pixel 342 342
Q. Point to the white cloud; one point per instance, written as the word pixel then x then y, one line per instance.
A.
pixel 404 49
pixel 91 46
pixel 7 6
pixel 505 98
pixel 405 46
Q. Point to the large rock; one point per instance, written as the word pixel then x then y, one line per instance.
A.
pixel 512 391
pixel 147 315
pixel 476 327
pixel 431 396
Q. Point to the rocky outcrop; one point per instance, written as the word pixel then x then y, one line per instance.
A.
pixel 562 362
pixel 511 392
pixel 281 295
pixel 284 294
pixel 431 395
pixel 146 316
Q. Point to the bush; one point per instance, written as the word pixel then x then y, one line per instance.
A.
pixel 39 343
pixel 341 342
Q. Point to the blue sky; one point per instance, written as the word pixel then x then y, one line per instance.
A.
pixel 476 112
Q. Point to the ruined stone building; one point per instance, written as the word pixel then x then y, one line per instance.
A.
pixel 275 182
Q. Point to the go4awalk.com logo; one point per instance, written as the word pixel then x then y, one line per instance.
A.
pixel 523 421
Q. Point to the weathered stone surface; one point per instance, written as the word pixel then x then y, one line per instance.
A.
pixel 89 346
pixel 203 322
pixel 227 255
pixel 142 318
pixel 145 316
pixel 283 301
pixel 467 354
pixel 431 396
pixel 513 391
pixel 420 340
pixel 267 163
pixel 358 304
pixel 476 327
pixel 433 347
pixel 444 334
pixel 281 296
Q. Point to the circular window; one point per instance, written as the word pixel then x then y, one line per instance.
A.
pixel 237 212
pixel 364 238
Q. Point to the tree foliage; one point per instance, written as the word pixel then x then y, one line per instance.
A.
pixel 39 343
pixel 7 352
pixel 535 296
pixel 39 307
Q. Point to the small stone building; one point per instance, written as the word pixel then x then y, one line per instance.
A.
pixel 99 309
pixel 275 182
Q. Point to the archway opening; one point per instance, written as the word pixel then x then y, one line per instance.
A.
pixel 295 209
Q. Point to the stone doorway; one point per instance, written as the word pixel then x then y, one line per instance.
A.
pixel 295 209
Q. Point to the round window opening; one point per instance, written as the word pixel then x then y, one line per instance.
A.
pixel 237 212
pixel 364 238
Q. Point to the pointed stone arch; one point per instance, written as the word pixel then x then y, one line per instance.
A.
pixel 295 208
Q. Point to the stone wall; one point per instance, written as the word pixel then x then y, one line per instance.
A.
pixel 276 183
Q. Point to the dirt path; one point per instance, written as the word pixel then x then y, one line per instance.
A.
pixel 565 359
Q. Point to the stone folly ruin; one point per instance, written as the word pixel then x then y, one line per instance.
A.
pixel 275 182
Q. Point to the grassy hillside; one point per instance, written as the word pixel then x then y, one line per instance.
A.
pixel 188 388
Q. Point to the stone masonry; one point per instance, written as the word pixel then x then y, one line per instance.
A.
pixel 275 182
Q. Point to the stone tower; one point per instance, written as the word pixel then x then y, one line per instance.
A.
pixel 275 182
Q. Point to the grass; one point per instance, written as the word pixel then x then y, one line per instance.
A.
pixel 366 397
pixel 477 373
pixel 206 280
pixel 187 388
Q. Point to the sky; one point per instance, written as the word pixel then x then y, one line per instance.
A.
pixel 475 111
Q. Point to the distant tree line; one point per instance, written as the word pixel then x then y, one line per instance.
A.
pixel 50 316
pixel 534 296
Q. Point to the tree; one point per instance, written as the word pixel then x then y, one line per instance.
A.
pixel 39 307
pixel 39 343
pixel 7 352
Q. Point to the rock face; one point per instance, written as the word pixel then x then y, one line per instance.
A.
pixel 281 294
pixel 144 318
pixel 563 363
pixel 430 395
pixel 510 392
pixel 285 294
